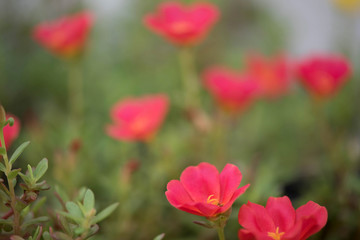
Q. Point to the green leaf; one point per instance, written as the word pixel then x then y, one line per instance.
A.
pixel 77 220
pixel 104 213
pixel 25 178
pixel 34 221
pixel 38 204
pixel 30 171
pixel 41 169
pixel 159 237
pixel 18 152
pixel 89 201
pixel 2 168
pixel 2 151
pixel 63 195
pixel 46 236
pixel 74 209
pixel 6 221
pixel 13 173
pixel 2 115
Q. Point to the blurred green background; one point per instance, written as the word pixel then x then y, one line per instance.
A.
pixel 278 145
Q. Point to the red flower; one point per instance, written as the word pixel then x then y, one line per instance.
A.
pixel 183 25
pixel 322 76
pixel 138 118
pixel 280 221
pixel 11 133
pixel 203 191
pixel 273 74
pixel 233 91
pixel 66 36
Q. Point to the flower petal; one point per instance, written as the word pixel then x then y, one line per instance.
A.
pixel 245 235
pixel 176 194
pixel 313 218
pixel 236 194
pixel 255 218
pixel 207 210
pixel 282 212
pixel 230 179
pixel 201 181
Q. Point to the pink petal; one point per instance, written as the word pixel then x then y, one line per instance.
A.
pixel 245 235
pixel 313 218
pixel 207 210
pixel 236 194
pixel 176 194
pixel 230 179
pixel 201 181
pixel 255 218
pixel 282 212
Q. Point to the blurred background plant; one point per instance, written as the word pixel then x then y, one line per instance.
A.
pixel 284 145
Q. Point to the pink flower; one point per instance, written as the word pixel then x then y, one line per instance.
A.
pixel 273 74
pixel 183 25
pixel 278 220
pixel 66 36
pixel 138 119
pixel 11 133
pixel 323 75
pixel 233 91
pixel 203 191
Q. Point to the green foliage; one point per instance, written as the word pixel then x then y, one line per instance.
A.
pixel 18 152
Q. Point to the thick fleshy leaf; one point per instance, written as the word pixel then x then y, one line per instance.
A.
pixel 230 179
pixel 201 182
pixel 255 218
pixel 89 201
pixel 282 212
pixel 104 213
pixel 18 152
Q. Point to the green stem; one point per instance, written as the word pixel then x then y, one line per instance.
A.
pixel 11 186
pixel 189 78
pixel 75 85
pixel 221 234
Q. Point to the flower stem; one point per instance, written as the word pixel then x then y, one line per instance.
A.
pixel 11 185
pixel 75 88
pixel 189 78
pixel 221 234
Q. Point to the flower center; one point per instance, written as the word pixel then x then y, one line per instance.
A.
pixel 180 27
pixel 276 235
pixel 139 124
pixel 213 201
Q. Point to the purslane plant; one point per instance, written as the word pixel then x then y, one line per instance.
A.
pixel 77 221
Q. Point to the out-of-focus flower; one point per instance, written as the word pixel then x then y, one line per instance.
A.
pixel 273 74
pixel 138 119
pixel 233 91
pixel 11 133
pixel 66 36
pixel 203 191
pixel 180 24
pixel 348 5
pixel 278 220
pixel 323 75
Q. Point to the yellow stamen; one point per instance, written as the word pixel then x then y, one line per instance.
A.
pixel 276 235
pixel 139 124
pixel 213 201
pixel 180 27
